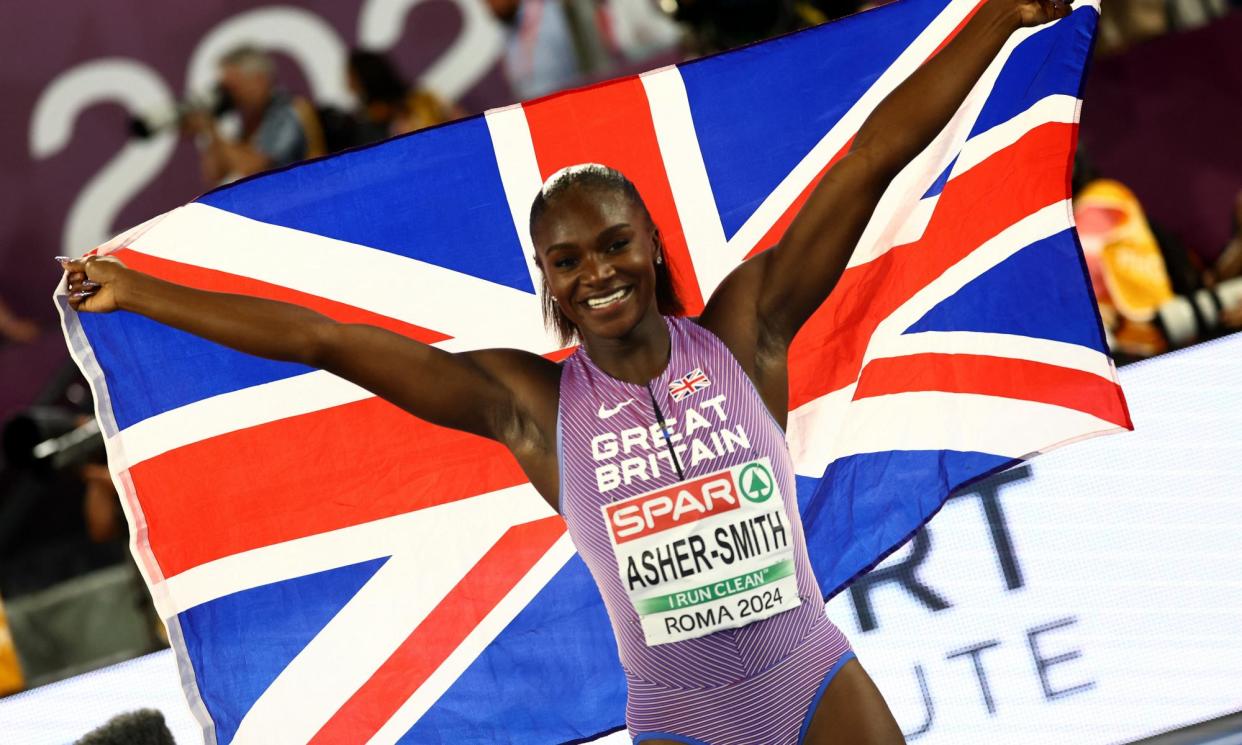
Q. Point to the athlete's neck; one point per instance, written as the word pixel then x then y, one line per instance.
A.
pixel 637 357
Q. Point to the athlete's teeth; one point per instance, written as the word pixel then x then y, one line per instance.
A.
pixel 607 300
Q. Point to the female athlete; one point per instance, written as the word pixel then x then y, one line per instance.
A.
pixel 661 439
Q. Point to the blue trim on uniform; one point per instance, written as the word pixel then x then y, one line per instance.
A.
pixel 832 673
pixel 667 736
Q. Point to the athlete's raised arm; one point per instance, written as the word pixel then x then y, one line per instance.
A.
pixel 503 394
pixel 758 309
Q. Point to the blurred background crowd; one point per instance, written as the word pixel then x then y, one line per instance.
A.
pixel 1157 184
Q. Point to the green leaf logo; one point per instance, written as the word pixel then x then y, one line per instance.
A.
pixel 756 482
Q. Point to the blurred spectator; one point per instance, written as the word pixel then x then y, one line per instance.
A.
pixel 14 328
pixel 553 44
pixel 717 25
pixel 1152 293
pixel 1128 272
pixel 59 512
pixel 74 597
pixel 276 129
pixel 641 30
pixel 1124 23
pixel 387 104
pixel 1187 14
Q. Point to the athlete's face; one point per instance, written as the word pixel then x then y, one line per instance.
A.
pixel 597 249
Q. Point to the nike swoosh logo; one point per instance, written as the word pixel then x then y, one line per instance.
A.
pixel 604 413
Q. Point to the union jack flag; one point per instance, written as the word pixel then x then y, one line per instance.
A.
pixel 687 384
pixel 333 570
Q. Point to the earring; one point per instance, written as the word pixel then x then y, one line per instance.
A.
pixel 659 258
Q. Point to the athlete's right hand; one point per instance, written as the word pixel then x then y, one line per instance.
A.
pixel 95 283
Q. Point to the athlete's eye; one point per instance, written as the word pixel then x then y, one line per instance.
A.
pixel 618 245
pixel 568 262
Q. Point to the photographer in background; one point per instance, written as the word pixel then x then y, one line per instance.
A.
pixel 276 128
pixel 73 595
pixel 59 514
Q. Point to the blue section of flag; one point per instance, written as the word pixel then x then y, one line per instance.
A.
pixel 239 643
pixel 1049 62
pixel 530 680
pixel 735 99
pixel 436 197
pixel 938 185
pixel 450 209
pixel 1025 294
pixel 891 494
pixel 152 368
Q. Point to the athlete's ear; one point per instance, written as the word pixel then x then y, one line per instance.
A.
pixel 657 243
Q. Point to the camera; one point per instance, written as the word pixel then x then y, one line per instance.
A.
pixel 216 104
pixel 51 438
pixel 1186 319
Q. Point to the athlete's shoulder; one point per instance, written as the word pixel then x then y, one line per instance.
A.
pixel 694 327
pixel 690 324
pixel 517 369
pixel 531 384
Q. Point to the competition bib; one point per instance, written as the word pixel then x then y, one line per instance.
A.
pixel 705 555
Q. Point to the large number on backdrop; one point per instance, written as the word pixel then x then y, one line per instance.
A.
pixel 299 33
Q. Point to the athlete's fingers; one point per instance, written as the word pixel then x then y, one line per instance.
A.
pixel 79 285
pixel 73 267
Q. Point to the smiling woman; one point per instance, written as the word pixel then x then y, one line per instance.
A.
pixel 621 217
pixel 660 440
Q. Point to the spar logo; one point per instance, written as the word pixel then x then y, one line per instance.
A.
pixel 675 505
pixel 756 481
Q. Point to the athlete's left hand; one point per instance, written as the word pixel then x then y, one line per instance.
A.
pixel 1037 12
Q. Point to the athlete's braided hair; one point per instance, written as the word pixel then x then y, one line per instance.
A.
pixel 603 178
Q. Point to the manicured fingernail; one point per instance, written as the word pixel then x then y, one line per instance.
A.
pixel 82 294
pixel 91 284
pixel 62 260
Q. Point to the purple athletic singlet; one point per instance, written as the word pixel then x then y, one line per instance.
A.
pixel 680 497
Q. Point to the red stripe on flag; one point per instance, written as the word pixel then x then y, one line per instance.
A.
pixel 288 479
pixel 611 124
pixel 441 632
pixel 974 207
pixel 208 279
pixel 561 354
pixel 995 376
